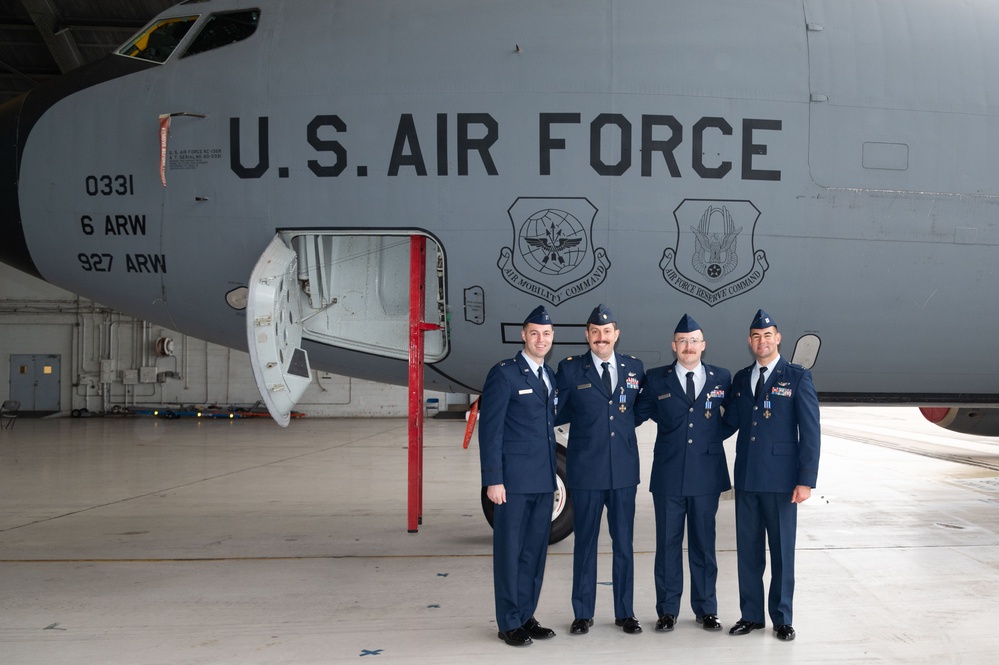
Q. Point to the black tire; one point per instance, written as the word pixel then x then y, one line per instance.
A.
pixel 562 506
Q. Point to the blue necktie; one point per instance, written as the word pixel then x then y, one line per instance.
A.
pixel 606 377
pixel 690 387
pixel 759 383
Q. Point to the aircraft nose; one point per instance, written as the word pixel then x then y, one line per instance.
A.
pixel 13 247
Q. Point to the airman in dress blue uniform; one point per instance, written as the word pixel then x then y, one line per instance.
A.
pixel 517 455
pixel 776 467
pixel 689 473
pixel 602 465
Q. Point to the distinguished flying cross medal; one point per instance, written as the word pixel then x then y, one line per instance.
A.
pixel 623 399
pixel 707 403
pixel 780 392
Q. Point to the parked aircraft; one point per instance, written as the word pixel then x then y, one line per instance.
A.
pixel 251 173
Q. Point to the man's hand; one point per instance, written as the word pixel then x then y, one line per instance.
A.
pixel 801 493
pixel 496 493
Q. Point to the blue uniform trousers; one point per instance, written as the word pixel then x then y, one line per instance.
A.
pixel 588 506
pixel 521 528
pixel 765 519
pixel 699 514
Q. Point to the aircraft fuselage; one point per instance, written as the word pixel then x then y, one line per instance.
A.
pixel 663 158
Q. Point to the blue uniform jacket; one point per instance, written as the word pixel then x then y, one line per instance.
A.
pixel 517 429
pixel 775 452
pixel 689 458
pixel 602 453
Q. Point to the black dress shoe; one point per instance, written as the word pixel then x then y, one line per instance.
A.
pixel 745 627
pixel 630 625
pixel 517 637
pixel 537 631
pixel 784 632
pixel 709 622
pixel 581 626
pixel 665 623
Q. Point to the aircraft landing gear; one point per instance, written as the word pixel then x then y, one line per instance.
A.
pixel 562 508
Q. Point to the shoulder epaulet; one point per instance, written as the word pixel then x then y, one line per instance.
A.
pixel 569 358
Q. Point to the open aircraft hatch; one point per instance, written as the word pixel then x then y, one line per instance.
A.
pixel 344 289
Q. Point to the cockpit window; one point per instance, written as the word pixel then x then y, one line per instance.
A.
pixel 224 29
pixel 159 40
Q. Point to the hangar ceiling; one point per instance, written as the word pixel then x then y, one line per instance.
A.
pixel 41 39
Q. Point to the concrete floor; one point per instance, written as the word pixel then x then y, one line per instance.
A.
pixel 145 541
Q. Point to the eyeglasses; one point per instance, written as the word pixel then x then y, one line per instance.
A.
pixel 685 341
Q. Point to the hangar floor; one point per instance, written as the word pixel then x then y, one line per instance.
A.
pixel 146 541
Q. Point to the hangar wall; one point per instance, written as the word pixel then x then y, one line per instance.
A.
pixel 109 361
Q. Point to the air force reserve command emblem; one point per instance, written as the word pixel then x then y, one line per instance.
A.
pixel 553 255
pixel 714 258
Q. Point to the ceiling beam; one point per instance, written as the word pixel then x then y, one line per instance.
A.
pixel 61 43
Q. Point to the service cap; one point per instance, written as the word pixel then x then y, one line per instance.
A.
pixel 687 324
pixel 539 316
pixel 761 321
pixel 601 316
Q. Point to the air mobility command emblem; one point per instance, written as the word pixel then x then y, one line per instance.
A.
pixel 552 256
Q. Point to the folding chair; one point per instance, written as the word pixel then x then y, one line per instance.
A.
pixel 8 412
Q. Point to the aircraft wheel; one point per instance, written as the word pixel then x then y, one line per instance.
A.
pixel 562 507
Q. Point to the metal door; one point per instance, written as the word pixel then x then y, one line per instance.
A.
pixel 35 381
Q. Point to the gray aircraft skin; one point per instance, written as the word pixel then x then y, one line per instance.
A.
pixel 831 162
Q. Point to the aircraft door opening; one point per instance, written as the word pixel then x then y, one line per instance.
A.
pixel 341 288
pixel 357 288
